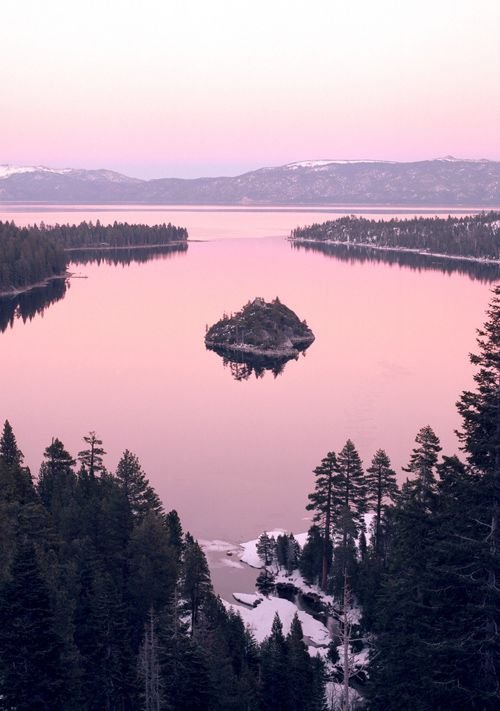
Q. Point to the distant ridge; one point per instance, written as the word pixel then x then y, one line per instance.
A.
pixel 446 181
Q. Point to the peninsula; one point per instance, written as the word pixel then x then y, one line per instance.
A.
pixel 263 329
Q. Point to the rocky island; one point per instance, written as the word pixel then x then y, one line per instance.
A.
pixel 263 333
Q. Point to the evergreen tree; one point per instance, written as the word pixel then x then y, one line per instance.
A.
pixel 91 458
pixel 175 534
pixel 274 689
pixel 265 582
pixel 140 495
pixel 302 680
pixel 266 549
pixel 323 502
pixel 310 563
pixel 196 586
pixel 351 493
pixel 10 454
pixel 401 667
pixel 56 483
pixel 184 670
pixel 480 411
pixel 423 462
pixel 381 489
pixel 30 652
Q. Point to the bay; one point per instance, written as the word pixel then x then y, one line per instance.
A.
pixel 122 353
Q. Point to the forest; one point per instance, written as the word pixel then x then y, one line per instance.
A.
pixel 31 255
pixel 106 603
pixel 476 236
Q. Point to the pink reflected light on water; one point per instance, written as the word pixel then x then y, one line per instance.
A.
pixel 123 354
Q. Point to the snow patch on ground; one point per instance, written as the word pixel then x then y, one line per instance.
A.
pixel 217 546
pixel 260 619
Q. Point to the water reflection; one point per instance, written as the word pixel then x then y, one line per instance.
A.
pixel 126 256
pixel 24 307
pixel 482 272
pixel 243 365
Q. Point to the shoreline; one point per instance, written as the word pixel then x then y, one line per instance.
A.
pixel 248 350
pixel 39 285
pixel 104 248
pixel 407 250
pixel 11 293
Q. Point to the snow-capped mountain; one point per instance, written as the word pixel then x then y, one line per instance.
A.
pixel 444 181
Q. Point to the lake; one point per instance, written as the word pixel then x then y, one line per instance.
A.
pixel 121 352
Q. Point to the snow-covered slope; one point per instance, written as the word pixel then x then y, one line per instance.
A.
pixel 7 170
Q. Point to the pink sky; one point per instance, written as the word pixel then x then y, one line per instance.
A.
pixel 162 88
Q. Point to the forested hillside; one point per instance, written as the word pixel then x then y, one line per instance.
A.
pixel 27 257
pixel 119 234
pixel 105 603
pixel 30 255
pixel 473 237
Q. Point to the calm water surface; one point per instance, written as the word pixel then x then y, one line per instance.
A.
pixel 123 354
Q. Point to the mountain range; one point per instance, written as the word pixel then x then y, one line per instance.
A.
pixel 444 181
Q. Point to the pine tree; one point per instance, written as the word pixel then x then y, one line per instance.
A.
pixel 56 482
pixel 266 549
pixel 265 582
pixel 175 534
pixel 30 651
pixel 310 563
pixel 423 462
pixel 196 586
pixel 302 679
pixel 480 411
pixel 381 489
pixel 91 458
pixel 274 690
pixel 10 453
pixel 140 495
pixel 323 502
pixel 351 493
pixel 184 669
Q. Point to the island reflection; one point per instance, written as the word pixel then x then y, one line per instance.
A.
pixel 243 365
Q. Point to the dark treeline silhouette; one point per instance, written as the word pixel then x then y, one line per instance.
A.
pixel 105 603
pixel 119 234
pixel 352 253
pixel 474 237
pixel 26 305
pixel 29 255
